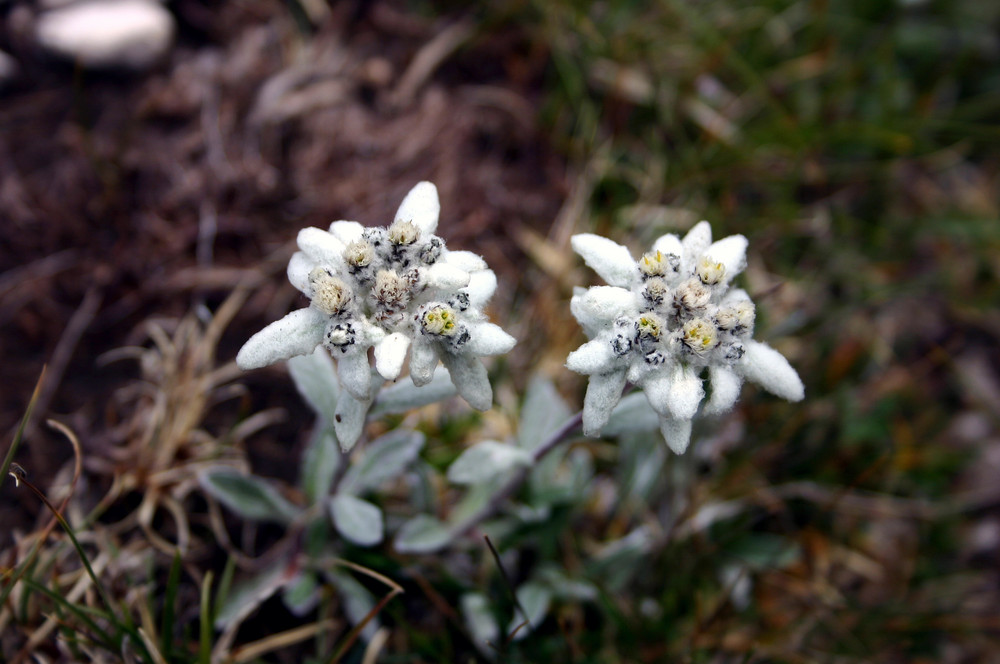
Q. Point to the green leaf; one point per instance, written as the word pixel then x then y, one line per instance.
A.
pixel 564 587
pixel 302 594
pixel 542 414
pixel 479 618
pixel 357 520
pixel 385 458
pixel 319 464
pixel 404 396
pixel 247 596
pixel 485 461
pixel 535 599
pixel 764 551
pixel 357 601
pixel 247 495
pixel 618 561
pixel 632 414
pixel 422 534
pixel 315 378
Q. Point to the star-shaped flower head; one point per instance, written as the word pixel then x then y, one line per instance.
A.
pixel 663 321
pixel 396 289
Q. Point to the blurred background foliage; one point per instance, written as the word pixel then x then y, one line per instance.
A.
pixel 854 143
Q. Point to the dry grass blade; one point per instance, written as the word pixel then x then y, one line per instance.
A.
pixel 281 640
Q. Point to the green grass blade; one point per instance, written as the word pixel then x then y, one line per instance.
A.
pixel 205 637
pixel 16 442
pixel 169 602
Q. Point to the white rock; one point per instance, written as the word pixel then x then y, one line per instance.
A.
pixel 131 34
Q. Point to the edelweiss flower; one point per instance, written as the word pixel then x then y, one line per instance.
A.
pixel 387 289
pixel 664 320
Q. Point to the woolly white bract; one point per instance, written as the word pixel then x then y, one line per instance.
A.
pixel 396 289
pixel 662 322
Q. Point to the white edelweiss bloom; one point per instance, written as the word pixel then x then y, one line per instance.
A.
pixel 386 289
pixel 663 321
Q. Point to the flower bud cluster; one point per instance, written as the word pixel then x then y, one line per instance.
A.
pixel 662 322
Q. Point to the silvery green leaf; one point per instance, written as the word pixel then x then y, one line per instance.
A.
pixel 474 500
pixel 482 624
pixel 422 534
pixel 565 587
pixel 581 470
pixel 301 595
pixel 619 560
pixel 547 480
pixel 315 378
pixel 357 601
pixel 641 459
pixel 250 594
pixel 357 520
pixel 385 458
pixel 633 413
pixel 247 495
pixel 764 551
pixel 316 537
pixel 319 464
pixel 404 396
pixel 535 599
pixel 542 414
pixel 486 460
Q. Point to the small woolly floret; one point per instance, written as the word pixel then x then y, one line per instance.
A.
pixel 403 233
pixel 699 336
pixel 329 294
pixel 439 320
pixel 649 325
pixel 656 264
pixel 391 291
pixel 359 253
pixel 691 297
pixel 710 272
pixel 339 336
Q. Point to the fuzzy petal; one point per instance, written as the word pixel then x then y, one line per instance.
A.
pixel 390 353
pixel 676 433
pixel 769 369
pixel 299 268
pixel 470 379
pixel 354 371
pixel 423 361
pixel 674 392
pixel 488 339
pixel 669 244
pixel 347 231
pixel 604 391
pixel 594 357
pixel 421 206
pixel 349 420
pixel 610 260
pixel 464 260
pixel 731 252
pixel 694 244
pixel 598 306
pixel 726 386
pixel 298 333
pixel 482 285
pixel 446 277
pixel 320 246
